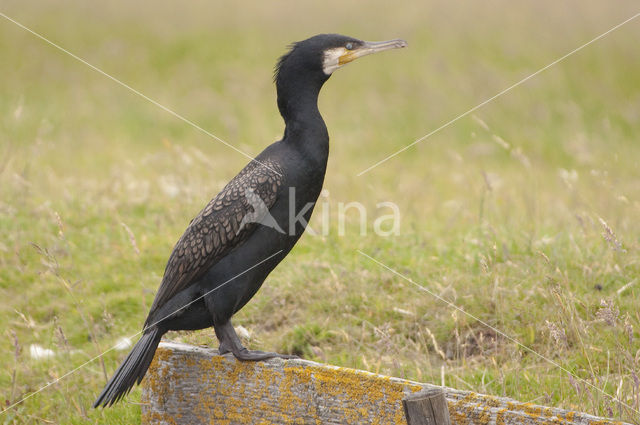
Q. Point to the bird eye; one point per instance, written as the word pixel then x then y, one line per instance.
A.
pixel 349 46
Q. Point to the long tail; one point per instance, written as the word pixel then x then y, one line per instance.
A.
pixel 132 370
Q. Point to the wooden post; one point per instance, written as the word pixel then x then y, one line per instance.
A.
pixel 426 407
pixel 194 385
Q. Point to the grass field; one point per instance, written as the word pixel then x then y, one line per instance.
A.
pixel 523 213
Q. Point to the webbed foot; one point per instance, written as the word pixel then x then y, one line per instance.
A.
pixel 256 355
pixel 230 343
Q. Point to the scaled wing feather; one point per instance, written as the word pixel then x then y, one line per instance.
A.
pixel 217 229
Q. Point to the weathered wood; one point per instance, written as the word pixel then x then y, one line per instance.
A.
pixel 194 385
pixel 427 407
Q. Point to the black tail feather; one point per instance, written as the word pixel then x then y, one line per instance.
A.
pixel 132 370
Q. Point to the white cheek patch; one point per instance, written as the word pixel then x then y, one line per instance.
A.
pixel 331 60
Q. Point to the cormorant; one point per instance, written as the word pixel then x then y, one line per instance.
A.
pixel 242 234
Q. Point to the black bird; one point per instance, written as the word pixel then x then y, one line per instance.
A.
pixel 242 234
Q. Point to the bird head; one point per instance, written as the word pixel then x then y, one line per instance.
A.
pixel 327 52
pixel 309 63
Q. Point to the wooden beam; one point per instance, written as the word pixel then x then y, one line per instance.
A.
pixel 194 385
pixel 426 407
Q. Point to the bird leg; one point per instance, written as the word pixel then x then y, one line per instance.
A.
pixel 229 342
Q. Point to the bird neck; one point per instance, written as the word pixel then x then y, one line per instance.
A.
pixel 298 101
pixel 298 104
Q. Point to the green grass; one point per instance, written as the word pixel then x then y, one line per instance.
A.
pixel 500 211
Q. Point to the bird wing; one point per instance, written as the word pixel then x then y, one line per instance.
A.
pixel 226 221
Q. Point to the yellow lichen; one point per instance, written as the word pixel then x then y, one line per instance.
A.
pixel 233 392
